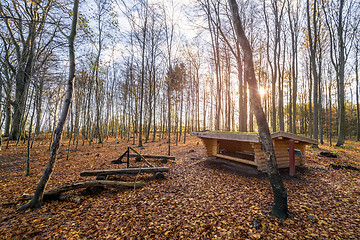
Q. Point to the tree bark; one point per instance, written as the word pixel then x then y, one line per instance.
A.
pixel 357 94
pixel 39 95
pixel 169 113
pixel 94 183
pixel 38 196
pixel 215 51
pixel 123 171
pixel 294 28
pixel 279 208
pixel 142 81
pixel 330 118
pixel 341 77
pixel 313 47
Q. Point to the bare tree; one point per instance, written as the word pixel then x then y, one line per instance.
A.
pixel 357 91
pixel 294 22
pixel 313 35
pixel 338 16
pixel 36 201
pixel 279 208
pixel 23 26
pixel 277 8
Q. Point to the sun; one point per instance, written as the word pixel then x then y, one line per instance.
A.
pixel 262 91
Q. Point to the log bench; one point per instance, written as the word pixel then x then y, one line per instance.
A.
pixel 125 171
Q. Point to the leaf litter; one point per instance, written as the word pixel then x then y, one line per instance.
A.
pixel 196 200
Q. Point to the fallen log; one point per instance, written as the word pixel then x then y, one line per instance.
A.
pixel 56 193
pixel 338 166
pixel 328 154
pixel 153 156
pixel 60 196
pixel 123 171
pixel 70 198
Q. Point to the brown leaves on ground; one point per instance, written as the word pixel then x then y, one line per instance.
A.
pixel 194 201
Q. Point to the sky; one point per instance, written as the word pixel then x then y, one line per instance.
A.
pixel 184 26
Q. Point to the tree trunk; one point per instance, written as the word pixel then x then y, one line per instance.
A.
pixel 281 89
pixel 357 95
pixel 330 118
pixel 28 143
pixel 169 114
pixel 320 110
pixel 22 80
pixel 341 78
pixel 7 121
pixel 279 208
pixel 7 101
pixel 39 96
pixel 1 112
pixel 19 103
pixel 142 82
pixel 38 196
pixel 181 113
pixel 215 50
pixel 240 80
pixel 294 28
pixel 313 45
pixel 154 109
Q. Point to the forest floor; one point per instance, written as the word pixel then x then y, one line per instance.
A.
pixel 196 200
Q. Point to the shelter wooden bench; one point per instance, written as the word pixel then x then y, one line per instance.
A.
pixel 246 147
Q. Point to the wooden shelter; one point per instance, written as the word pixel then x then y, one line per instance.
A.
pixel 246 147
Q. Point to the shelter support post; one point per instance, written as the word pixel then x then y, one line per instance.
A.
pixel 128 158
pixel 291 157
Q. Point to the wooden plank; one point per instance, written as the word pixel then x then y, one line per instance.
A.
pixel 206 145
pixel 282 152
pixel 294 136
pixel 214 146
pixel 283 159
pixel 262 167
pixel 261 161
pixel 283 165
pixel 242 137
pixel 236 159
pixel 210 145
pixel 259 154
pixel 123 171
pixel 153 156
pixel 141 156
pixel 252 137
pixel 234 146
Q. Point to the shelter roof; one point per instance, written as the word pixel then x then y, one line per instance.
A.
pixel 251 137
